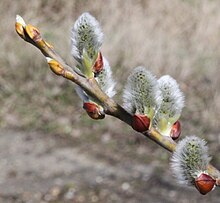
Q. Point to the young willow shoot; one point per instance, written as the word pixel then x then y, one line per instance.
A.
pixel 141 98
pixel 189 163
pixel 87 39
pixel 170 108
pixel 152 107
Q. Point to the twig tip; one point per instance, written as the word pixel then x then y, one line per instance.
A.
pixel 20 20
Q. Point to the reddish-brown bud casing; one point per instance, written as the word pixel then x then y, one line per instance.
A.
pixel 175 131
pixel 93 110
pixel 204 183
pixel 140 122
pixel 33 33
pixel 98 66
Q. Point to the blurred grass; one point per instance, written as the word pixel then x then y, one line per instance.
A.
pixel 176 37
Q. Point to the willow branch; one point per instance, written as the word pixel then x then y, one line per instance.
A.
pixel 32 35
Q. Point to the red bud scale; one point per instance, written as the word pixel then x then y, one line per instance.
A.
pixel 175 131
pixel 140 122
pixel 204 183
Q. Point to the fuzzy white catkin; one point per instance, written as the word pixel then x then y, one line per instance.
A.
pixel 106 80
pixel 189 159
pixel 172 97
pixel 141 93
pixel 171 105
pixel 86 35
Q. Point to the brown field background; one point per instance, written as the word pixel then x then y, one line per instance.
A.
pixel 176 37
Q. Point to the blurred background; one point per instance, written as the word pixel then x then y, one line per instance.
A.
pixel 50 150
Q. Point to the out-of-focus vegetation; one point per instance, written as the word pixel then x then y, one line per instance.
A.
pixel 176 37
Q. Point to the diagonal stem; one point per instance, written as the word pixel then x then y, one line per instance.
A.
pixel 31 35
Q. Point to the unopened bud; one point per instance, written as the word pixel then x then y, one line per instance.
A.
pixel 20 30
pixel 20 20
pixel 33 33
pixel 98 66
pixel 204 183
pixel 175 130
pixel 140 122
pixel 55 66
pixel 93 110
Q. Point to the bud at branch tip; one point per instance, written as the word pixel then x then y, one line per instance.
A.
pixel 20 20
